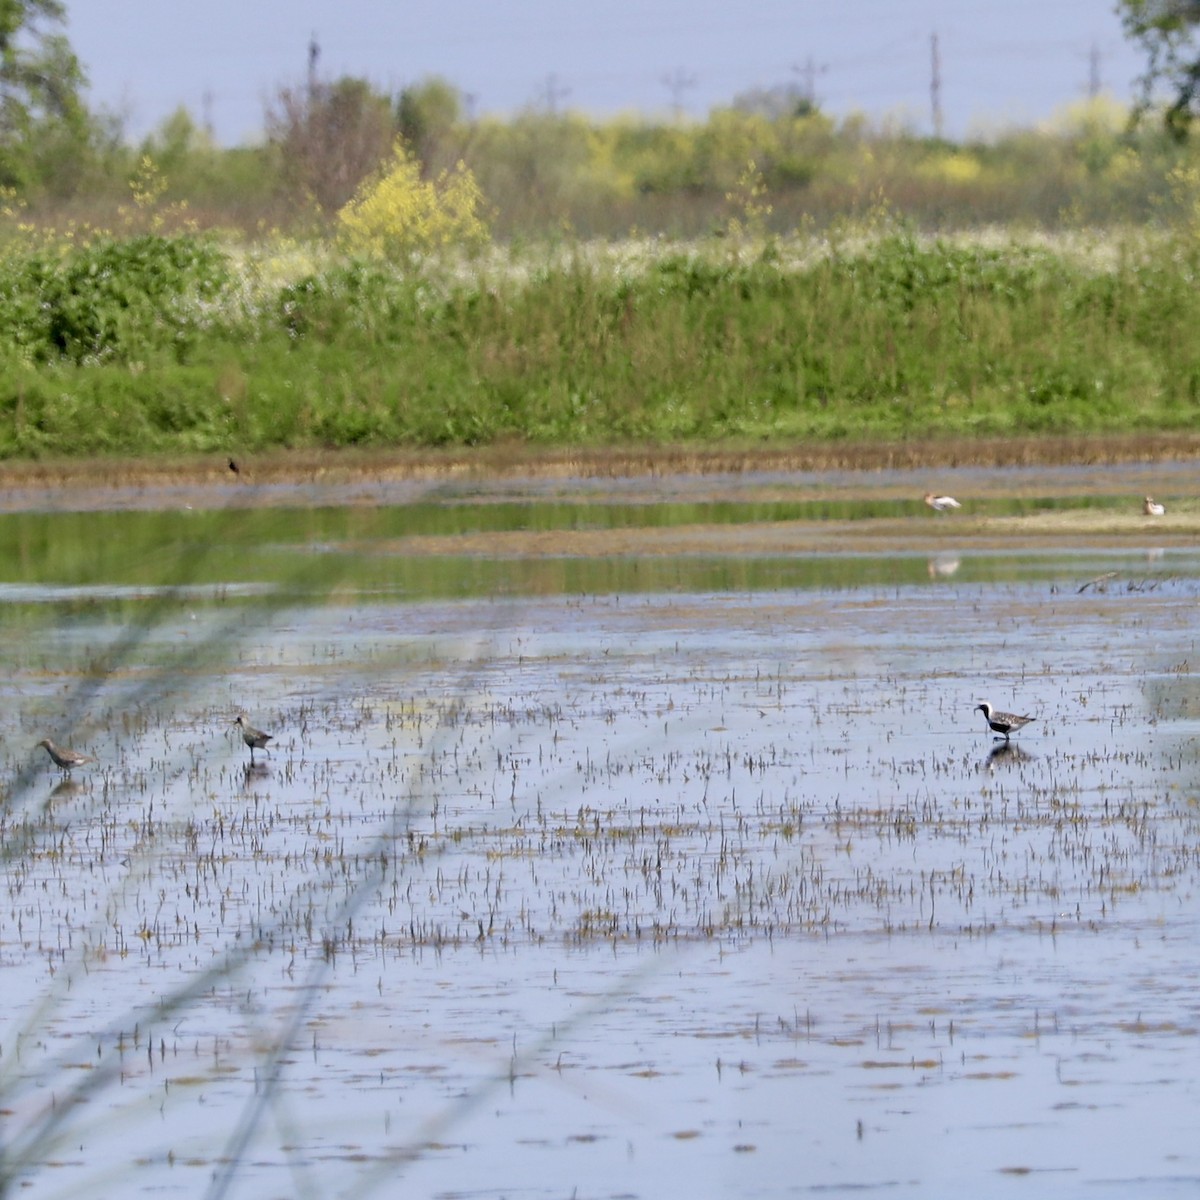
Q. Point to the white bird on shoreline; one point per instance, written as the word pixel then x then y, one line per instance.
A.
pixel 941 503
pixel 1001 722
pixel 1152 508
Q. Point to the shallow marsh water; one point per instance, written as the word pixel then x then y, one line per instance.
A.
pixel 600 874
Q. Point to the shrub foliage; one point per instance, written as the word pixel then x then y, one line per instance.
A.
pixel 399 217
pixel 166 344
pixel 111 298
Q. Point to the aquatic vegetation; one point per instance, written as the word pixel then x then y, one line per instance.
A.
pixel 699 846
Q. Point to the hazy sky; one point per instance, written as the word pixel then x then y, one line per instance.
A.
pixel 1002 62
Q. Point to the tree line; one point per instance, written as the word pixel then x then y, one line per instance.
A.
pixel 770 154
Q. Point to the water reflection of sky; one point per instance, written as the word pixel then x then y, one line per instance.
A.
pixel 719 893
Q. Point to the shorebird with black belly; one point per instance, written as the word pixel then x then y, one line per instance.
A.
pixel 64 758
pixel 254 738
pixel 1001 722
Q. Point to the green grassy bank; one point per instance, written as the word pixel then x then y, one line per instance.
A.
pixel 157 346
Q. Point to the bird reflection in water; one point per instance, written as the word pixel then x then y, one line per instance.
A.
pixel 1008 754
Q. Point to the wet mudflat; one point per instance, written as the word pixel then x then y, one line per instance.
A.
pixel 600 874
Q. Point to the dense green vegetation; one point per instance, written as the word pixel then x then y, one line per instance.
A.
pixel 170 344
pixel 388 271
pixel 546 174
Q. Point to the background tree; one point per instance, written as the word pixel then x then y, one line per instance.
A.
pixel 44 124
pixel 1167 31
pixel 428 114
pixel 780 100
pixel 331 136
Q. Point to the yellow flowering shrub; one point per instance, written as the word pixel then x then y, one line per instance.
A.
pixel 748 205
pixel 397 215
pixel 958 167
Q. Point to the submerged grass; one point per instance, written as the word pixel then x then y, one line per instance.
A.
pixel 592 773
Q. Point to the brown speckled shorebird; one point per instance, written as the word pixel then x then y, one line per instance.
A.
pixel 254 738
pixel 64 758
pixel 1001 722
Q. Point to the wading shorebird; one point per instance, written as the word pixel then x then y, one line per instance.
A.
pixel 941 503
pixel 1152 508
pixel 254 738
pixel 1002 723
pixel 64 758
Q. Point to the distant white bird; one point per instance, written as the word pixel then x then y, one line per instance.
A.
pixel 1001 722
pixel 1152 508
pixel 941 503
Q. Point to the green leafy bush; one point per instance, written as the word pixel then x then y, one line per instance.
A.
pixel 111 299
pixel 141 348
pixel 365 299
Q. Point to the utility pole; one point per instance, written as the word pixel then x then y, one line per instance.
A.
pixel 678 82
pixel 553 92
pixel 1094 72
pixel 808 79
pixel 314 53
pixel 935 85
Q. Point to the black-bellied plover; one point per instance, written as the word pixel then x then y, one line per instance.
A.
pixel 64 758
pixel 254 738
pixel 1152 508
pixel 1001 722
pixel 941 503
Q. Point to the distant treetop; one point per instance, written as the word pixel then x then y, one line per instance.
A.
pixel 41 82
pixel 1167 31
